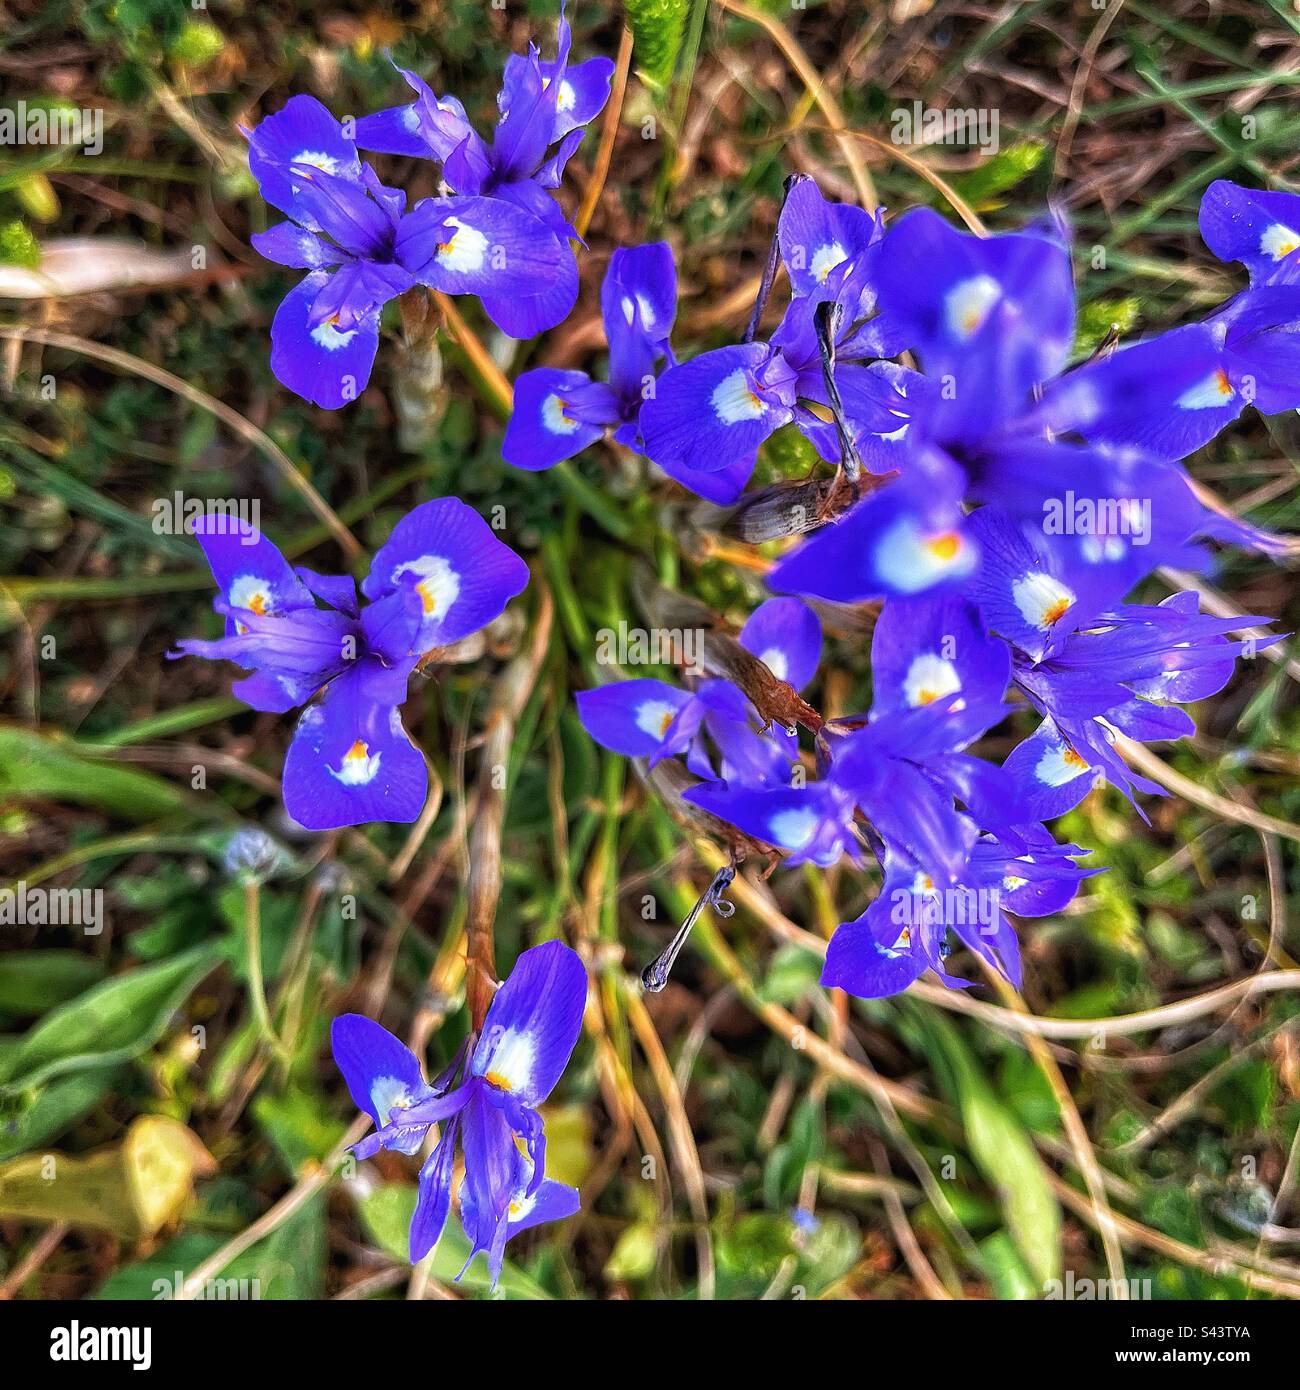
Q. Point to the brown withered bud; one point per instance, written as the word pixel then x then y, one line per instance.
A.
pixel 665 608
pixel 469 648
pixel 793 509
pixel 776 701
pixel 786 509
pixel 500 639
pixel 718 653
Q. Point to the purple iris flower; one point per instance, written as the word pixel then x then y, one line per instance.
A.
pixel 910 925
pixel 1093 672
pixel 931 647
pixel 1172 393
pixel 903 771
pixel 1127 416
pixel 440 576
pixel 545 108
pixel 828 251
pixel 711 414
pixel 941 879
pixel 989 317
pixel 559 413
pixel 1029 498
pixel 362 249
pixel 524 276
pixel 907 538
pixel 528 1036
pixel 708 417
pixel 647 718
pixel 940 682
pixel 1127 672
pixel 1255 226
pixel 991 321
pixel 343 229
pixel 812 824
pixel 905 931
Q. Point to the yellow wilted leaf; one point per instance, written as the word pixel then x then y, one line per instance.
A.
pixel 132 1188
pixel 568 1143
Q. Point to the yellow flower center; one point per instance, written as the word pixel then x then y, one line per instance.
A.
pixel 1054 612
pixel 944 547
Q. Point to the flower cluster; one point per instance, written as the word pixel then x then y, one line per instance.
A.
pixel 997 498
pixel 496 232
pixel 439 577
pixel 1005 503
pixel 486 1103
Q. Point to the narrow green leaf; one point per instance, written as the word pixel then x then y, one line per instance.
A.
pixel 33 767
pixel 1005 1269
pixel 1004 1153
pixel 35 1117
pixel 110 1023
pixel 33 981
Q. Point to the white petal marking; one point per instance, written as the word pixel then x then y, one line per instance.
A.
pixel 930 677
pixel 438 583
pixel 825 259
pixel 464 251
pixel 553 417
pixel 329 336
pixel 644 305
pixel 967 305
pixel 510 1066
pixel 733 400
pixel 793 828
pixel 326 163
pixel 251 592
pixel 1060 764
pixel 388 1093
pixel 1042 600
pixel 1216 390
pixel 776 661
pixel 1278 240
pixel 359 766
pixel 910 559
pixel 654 716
